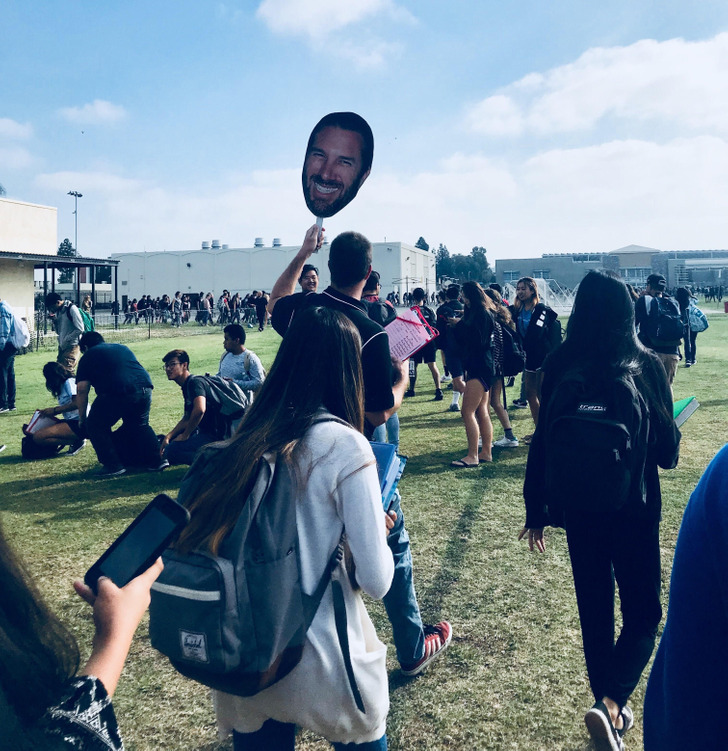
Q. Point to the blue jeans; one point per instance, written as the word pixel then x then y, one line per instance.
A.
pixel 401 601
pixel 183 452
pixel 388 432
pixel 281 736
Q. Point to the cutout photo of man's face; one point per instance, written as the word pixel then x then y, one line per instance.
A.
pixel 337 162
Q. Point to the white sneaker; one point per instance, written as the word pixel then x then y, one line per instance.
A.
pixel 506 443
pixel 445 379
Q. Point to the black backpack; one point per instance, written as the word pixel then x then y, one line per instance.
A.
pixel 665 326
pixel 595 441
pixel 237 621
pixel 230 401
pixel 509 356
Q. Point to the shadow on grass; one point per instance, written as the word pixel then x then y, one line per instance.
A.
pixel 72 495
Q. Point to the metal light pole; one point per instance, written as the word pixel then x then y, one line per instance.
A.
pixel 76 195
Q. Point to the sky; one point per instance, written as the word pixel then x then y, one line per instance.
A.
pixel 525 127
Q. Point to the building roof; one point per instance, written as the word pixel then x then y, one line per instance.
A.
pixel 41 258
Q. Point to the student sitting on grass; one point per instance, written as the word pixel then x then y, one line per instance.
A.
pixel 45 701
pixel 61 383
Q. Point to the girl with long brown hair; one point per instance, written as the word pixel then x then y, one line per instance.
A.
pixel 310 413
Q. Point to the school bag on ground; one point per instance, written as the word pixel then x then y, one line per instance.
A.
pixel 595 442
pixel 664 323
pixel 696 318
pixel 229 397
pixel 237 621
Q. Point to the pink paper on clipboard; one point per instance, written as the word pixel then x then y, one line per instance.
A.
pixel 408 333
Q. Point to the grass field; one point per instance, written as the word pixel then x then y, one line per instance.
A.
pixel 514 676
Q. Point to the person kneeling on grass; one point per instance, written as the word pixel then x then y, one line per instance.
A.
pixel 62 384
pixel 201 422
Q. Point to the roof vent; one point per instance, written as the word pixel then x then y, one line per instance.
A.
pixel 225 246
pixel 258 242
pixel 276 242
pixel 216 245
pixel 205 245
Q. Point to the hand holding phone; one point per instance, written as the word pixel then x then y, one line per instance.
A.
pixel 140 544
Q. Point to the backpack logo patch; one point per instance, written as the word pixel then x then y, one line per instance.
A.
pixel 194 646
pixel 591 408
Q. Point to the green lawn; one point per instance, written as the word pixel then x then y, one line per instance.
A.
pixel 513 677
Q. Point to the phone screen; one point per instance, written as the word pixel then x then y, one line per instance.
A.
pixel 134 549
pixel 141 543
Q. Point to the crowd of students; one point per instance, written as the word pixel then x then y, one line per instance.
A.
pixel 332 386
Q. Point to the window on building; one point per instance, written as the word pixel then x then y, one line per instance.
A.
pixel 542 273
pixel 511 276
pixel 636 275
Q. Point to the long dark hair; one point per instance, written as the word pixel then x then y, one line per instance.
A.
pixel 37 653
pixel 55 376
pixel 682 295
pixel 318 365
pixel 478 312
pixel 601 339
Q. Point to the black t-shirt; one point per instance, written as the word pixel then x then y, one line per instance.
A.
pixel 212 422
pixel 112 369
pixel 375 357
pixel 449 309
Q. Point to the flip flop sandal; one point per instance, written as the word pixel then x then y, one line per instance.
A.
pixel 460 464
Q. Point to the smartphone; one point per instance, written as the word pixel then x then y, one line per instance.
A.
pixel 141 543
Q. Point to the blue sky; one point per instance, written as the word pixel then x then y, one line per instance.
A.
pixel 527 127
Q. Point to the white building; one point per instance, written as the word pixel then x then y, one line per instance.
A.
pixel 216 267
pixel 28 237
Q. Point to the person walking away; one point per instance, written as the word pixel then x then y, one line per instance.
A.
pixel 451 308
pixel 339 689
pixel 497 387
pixel 657 316
pixel 473 333
pixel 428 353
pixel 610 510
pixel 350 262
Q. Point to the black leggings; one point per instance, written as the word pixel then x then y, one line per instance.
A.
pixel 690 348
pixel 602 548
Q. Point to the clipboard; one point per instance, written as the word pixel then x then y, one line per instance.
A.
pixel 408 333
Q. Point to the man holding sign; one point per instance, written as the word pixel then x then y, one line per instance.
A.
pixel 350 262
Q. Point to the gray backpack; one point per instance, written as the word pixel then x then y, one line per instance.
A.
pixel 237 621
pixel 230 399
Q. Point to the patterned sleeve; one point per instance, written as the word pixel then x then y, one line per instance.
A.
pixel 84 718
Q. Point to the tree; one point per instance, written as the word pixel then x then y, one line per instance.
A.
pixel 482 267
pixel 2 190
pixel 66 250
pixel 443 264
pixel 422 244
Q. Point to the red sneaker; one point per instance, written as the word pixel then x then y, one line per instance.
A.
pixel 437 640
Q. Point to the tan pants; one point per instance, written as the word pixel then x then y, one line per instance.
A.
pixel 670 364
pixel 69 357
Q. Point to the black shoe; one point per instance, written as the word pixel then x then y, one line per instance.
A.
pixel 520 403
pixel 76 446
pixel 438 395
pixel 409 392
pixel 600 727
pixel 159 467
pixel 110 472
pixel 2 447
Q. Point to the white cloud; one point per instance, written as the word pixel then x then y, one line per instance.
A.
pixel 318 18
pixel 315 20
pixel 14 130
pixel 98 112
pixel 15 157
pixel 674 82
